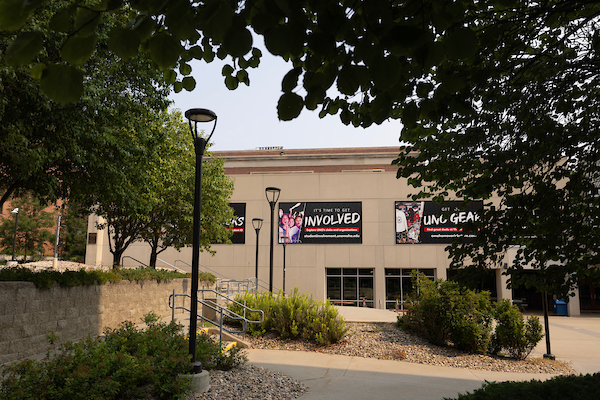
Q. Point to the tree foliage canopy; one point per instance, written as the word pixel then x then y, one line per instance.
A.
pixel 496 97
pixel 63 150
pixel 155 203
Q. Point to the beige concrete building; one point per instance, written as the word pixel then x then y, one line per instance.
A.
pixel 358 237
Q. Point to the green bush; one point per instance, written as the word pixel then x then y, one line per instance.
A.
pixel 573 387
pixel 45 279
pixel 294 316
pixel 210 353
pixel 513 335
pixel 125 363
pixel 443 311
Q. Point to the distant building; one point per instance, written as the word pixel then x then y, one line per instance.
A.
pixel 353 233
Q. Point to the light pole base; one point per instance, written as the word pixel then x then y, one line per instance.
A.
pixel 550 357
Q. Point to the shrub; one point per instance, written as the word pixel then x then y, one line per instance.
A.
pixel 210 353
pixel 45 279
pixel 442 311
pixel 513 335
pixel 581 387
pixel 125 363
pixel 294 316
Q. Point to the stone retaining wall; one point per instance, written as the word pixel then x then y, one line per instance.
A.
pixel 28 314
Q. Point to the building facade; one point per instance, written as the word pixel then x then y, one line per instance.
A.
pixel 351 231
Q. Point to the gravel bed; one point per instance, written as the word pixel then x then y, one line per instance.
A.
pixel 386 342
pixel 251 383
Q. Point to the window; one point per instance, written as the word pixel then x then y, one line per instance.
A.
pixel 350 286
pixel 398 284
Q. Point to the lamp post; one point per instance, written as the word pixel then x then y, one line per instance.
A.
pixel 272 194
pixel 16 212
pixel 257 224
pixel 196 115
pixel 285 238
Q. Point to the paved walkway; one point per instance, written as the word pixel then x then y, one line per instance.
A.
pixel 573 339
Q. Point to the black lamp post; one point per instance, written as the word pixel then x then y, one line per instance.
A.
pixel 257 224
pixel 196 115
pixel 285 238
pixel 272 194
pixel 16 212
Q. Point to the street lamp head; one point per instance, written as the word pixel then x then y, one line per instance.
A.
pixel 200 115
pixel 257 223
pixel 15 211
pixel 272 194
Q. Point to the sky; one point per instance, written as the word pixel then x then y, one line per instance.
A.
pixel 247 117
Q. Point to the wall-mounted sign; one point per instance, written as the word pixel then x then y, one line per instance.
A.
pixel 320 222
pixel 430 222
pixel 238 223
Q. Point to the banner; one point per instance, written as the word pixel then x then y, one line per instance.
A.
pixel 320 222
pixel 430 222
pixel 238 223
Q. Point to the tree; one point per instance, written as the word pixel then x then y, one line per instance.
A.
pixel 73 232
pixel 59 151
pixel 497 97
pixel 519 121
pixel 155 203
pixel 34 233
pixel 170 220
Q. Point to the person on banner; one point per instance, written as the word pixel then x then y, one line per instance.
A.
pixel 295 230
pixel 284 228
pixel 401 224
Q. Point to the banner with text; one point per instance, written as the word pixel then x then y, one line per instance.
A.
pixel 430 222
pixel 238 223
pixel 320 222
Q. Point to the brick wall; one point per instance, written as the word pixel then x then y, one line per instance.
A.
pixel 28 314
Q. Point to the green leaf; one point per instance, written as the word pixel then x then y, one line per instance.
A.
pixel 151 6
pixel 189 83
pixel 215 19
pixel 170 76
pixel 14 13
pixel 461 43
pixel 278 40
pixel 24 48
pixel 386 72
pixel 231 82
pixel 123 42
pixel 185 69
pixel 86 21
pixel 37 70
pixel 164 50
pixel 77 50
pixel 347 81
pixel 242 77
pixel 237 41
pixel 144 27
pixel 196 52
pixel 61 21
pixel 177 87
pixel 289 106
pixel 227 70
pixel 290 80
pixel 62 83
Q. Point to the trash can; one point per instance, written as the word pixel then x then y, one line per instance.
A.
pixel 560 308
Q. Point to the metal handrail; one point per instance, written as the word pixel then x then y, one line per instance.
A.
pixel 205 268
pixel 233 286
pixel 170 265
pixel 260 284
pixel 124 257
pixel 223 311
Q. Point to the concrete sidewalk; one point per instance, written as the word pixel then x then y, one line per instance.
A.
pixel 573 339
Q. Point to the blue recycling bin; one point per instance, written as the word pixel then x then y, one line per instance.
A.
pixel 560 308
